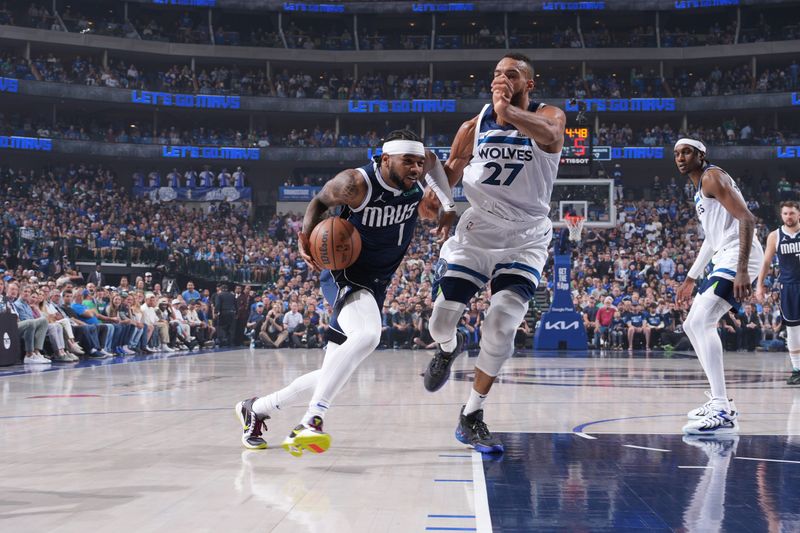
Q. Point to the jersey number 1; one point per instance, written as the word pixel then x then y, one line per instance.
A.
pixel 497 169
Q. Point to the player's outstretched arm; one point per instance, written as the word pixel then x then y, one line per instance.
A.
pixel 716 186
pixel 346 188
pixel 769 254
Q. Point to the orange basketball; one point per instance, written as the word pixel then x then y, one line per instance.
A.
pixel 335 243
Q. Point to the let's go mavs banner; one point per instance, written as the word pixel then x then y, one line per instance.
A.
pixel 211 152
pixel 197 194
pixel 622 104
pixel 34 144
pixel 200 101
pixel 9 85
pixel 401 106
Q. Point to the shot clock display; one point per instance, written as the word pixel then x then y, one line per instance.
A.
pixel 577 147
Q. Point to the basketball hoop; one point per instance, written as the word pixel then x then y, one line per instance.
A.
pixel 575 226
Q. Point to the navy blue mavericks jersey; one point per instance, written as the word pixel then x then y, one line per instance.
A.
pixel 788 257
pixel 789 261
pixel 386 222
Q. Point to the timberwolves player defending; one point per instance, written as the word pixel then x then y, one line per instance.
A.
pixel 508 157
pixel 785 241
pixel 736 254
pixel 380 199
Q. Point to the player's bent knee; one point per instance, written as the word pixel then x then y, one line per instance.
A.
pixel 490 364
pixel 506 311
pixel 444 319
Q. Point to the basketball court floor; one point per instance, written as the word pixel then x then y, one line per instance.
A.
pixel 593 443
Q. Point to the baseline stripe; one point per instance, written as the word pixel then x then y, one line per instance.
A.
pixel 483 519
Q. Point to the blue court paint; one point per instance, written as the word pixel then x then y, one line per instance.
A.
pixel 581 427
pixel 454 455
pixel 552 481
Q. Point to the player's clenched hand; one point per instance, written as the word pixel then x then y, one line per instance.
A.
pixel 501 96
pixel 685 290
pixel 742 288
pixel 305 251
pixel 429 205
pixel 446 221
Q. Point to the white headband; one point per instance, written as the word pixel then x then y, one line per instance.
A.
pixel 401 147
pixel 691 142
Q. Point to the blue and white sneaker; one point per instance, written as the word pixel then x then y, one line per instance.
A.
pixel 722 422
pixel 711 406
pixel 473 431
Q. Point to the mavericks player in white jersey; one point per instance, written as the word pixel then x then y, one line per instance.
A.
pixel 508 157
pixel 730 244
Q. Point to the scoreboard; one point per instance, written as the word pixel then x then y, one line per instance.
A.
pixel 577 150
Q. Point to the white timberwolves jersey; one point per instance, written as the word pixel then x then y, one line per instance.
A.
pixel 509 179
pixel 721 228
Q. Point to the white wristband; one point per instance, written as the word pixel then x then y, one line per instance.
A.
pixel 437 180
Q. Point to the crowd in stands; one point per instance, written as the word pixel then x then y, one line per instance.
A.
pixel 330 85
pixel 638 265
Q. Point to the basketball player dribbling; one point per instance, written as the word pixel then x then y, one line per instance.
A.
pixel 508 156
pixel 785 241
pixel 731 245
pixel 380 199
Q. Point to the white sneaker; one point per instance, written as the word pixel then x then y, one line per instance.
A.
pixel 107 354
pixel 711 406
pixel 167 349
pixel 127 351
pixel 150 349
pixel 722 422
pixel 37 359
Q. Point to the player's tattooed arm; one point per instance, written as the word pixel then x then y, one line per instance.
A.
pixel 460 151
pixel 545 126
pixel 346 188
pixel 718 186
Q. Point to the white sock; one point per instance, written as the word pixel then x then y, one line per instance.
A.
pixel 475 402
pixel 702 320
pixel 278 399
pixel 795 357
pixel 450 345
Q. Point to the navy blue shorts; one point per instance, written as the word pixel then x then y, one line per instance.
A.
pixel 721 287
pixel 790 304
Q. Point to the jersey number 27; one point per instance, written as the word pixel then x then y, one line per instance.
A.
pixel 493 178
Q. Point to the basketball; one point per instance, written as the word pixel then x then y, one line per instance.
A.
pixel 335 243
